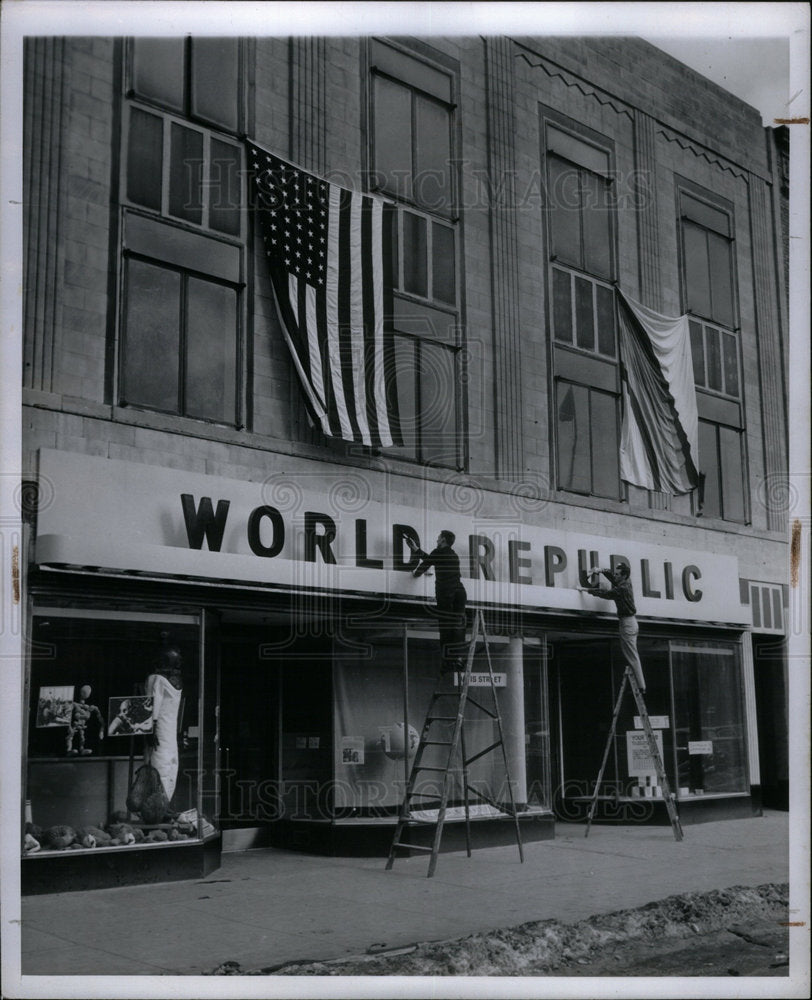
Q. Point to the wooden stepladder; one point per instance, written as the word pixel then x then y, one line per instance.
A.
pixel 439 716
pixel 630 679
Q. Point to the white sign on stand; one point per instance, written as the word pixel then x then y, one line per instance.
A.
pixel 638 756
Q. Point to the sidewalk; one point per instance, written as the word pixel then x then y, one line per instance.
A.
pixel 264 908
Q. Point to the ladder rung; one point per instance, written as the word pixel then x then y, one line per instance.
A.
pixel 482 753
pixel 425 767
pixel 441 718
pixel 436 743
pixel 412 847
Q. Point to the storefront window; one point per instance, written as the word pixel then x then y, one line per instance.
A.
pixel 374 757
pixel 116 725
pixel 709 719
pixel 693 699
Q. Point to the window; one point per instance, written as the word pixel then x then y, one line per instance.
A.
pixel 197 77
pixel 710 298
pixel 411 115
pixel 708 719
pixel 587 435
pixel 179 335
pixel 722 482
pixel 91 706
pixel 183 229
pixel 411 126
pixel 580 215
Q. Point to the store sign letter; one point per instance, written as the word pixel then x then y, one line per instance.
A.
pixel 203 522
pixel 319 540
pixel 258 547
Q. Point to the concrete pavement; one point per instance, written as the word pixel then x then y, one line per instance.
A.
pixel 267 907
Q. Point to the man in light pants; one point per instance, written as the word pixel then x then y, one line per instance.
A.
pixel 622 594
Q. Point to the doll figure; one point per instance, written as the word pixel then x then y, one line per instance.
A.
pixel 81 714
pixel 164 686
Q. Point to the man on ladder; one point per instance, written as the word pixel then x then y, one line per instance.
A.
pixel 450 596
pixel 622 594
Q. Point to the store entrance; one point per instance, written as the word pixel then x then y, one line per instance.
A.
pixel 275 723
pixel 249 723
pixel 583 669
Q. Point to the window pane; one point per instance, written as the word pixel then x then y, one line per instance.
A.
pixel 695 250
pixel 714 349
pixel 565 213
pixel 144 159
pixel 708 709
pixel 415 272
pixel 396 224
pixel 732 474
pixel 572 421
pixel 406 378
pixel 606 320
pixel 211 351
pixel 721 279
pixel 432 167
pixel 698 352
pixel 215 80
pixel 186 174
pixel 151 336
pixel 438 393
pixel 584 315
pixel 393 137
pixel 765 599
pixel 731 364
pixel 605 455
pixel 443 283
pixel 562 306
pixel 224 188
pixel 705 215
pixel 597 230
pixel 158 70
pixel 709 467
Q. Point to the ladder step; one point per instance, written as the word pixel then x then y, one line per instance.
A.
pixel 425 767
pixel 412 847
pixel 436 743
pixel 441 718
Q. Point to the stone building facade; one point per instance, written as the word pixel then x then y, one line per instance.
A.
pixel 184 497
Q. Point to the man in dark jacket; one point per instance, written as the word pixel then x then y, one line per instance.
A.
pixel 450 595
pixel 622 594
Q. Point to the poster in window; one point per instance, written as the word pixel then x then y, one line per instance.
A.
pixel 352 750
pixel 130 715
pixel 54 706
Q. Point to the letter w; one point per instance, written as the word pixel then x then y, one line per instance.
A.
pixel 204 521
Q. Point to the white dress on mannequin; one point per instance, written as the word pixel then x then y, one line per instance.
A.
pixel 165 704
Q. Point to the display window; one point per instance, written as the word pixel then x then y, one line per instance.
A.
pixel 695 705
pixel 121 742
pixel 382 697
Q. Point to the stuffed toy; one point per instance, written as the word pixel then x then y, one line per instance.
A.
pixel 122 833
pixel 59 837
pixel 147 796
pixel 30 844
pixel 86 834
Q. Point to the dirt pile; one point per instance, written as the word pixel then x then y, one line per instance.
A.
pixel 549 946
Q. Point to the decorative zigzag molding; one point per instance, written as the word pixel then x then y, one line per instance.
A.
pixel 588 90
pixel 704 154
pixel 604 98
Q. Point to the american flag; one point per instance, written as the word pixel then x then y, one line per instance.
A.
pixel 329 253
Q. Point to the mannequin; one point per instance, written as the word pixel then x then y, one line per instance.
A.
pixel 164 686
pixel 81 713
